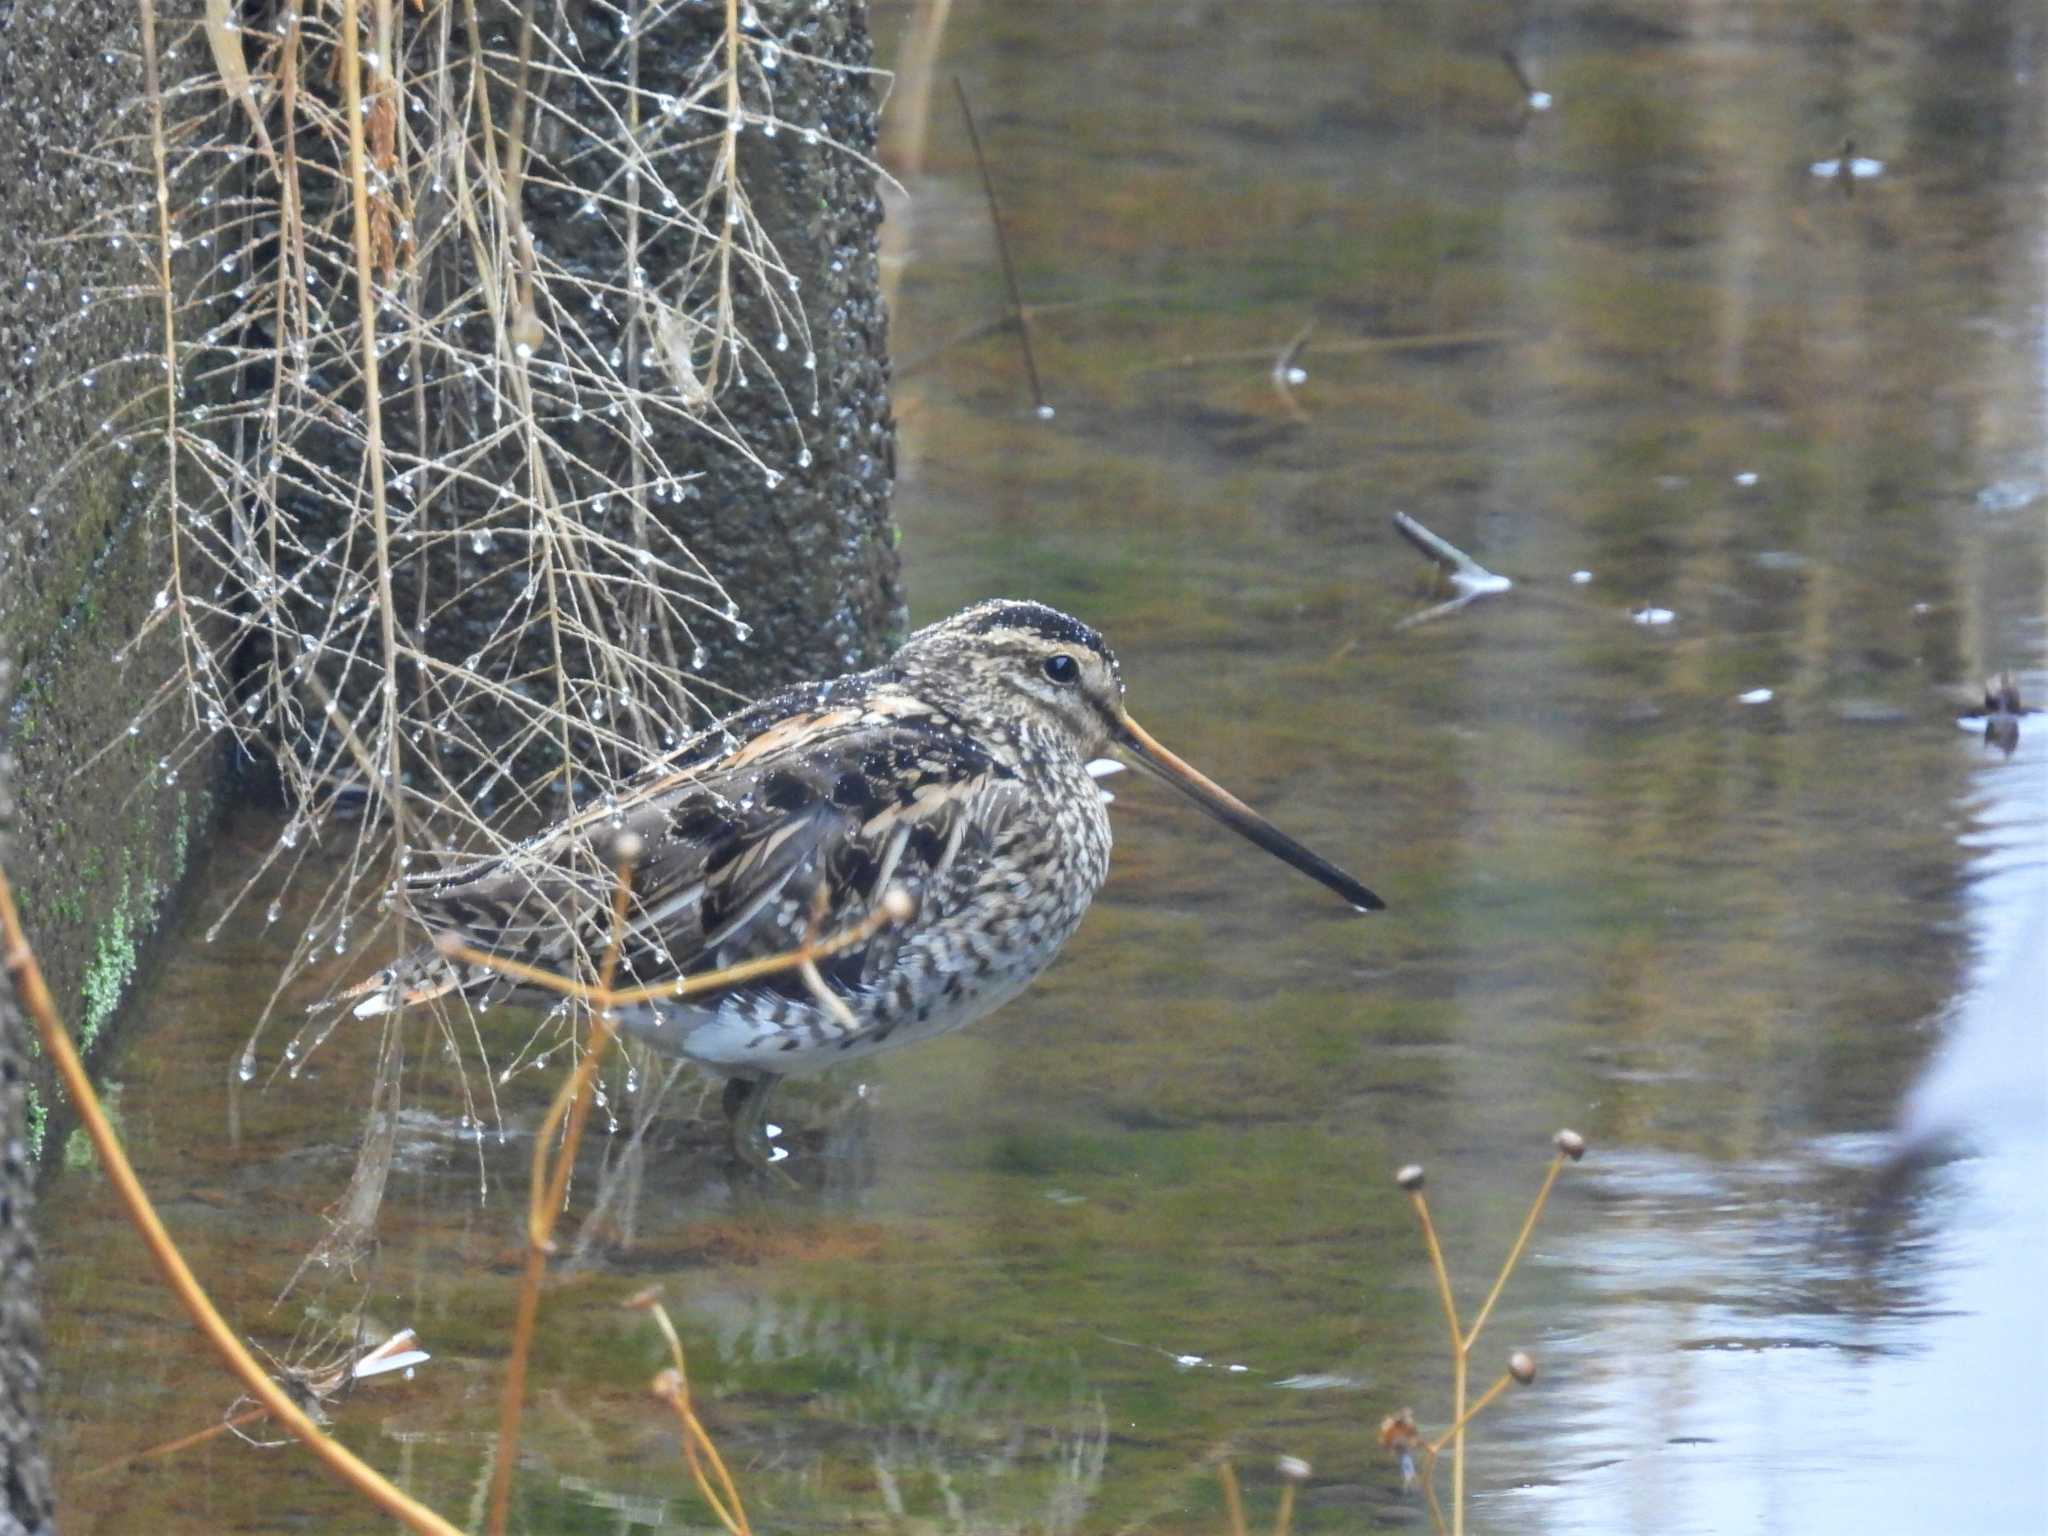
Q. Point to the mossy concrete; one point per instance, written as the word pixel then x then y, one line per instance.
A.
pixel 107 817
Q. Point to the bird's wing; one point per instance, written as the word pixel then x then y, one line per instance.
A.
pixel 795 833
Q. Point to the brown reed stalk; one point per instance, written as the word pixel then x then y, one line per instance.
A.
pixel 34 992
pixel 672 1386
pixel 1568 1146
pixel 550 1182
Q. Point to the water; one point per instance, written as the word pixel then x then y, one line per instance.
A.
pixel 1043 1270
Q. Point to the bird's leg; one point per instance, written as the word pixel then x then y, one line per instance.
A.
pixel 746 1113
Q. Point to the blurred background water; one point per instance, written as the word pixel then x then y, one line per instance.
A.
pixel 1682 844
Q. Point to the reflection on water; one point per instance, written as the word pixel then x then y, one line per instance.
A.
pixel 1680 844
pixel 1814 1372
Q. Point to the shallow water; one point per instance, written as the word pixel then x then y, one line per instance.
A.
pixel 1041 1272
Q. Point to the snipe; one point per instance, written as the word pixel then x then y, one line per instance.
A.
pixel 958 771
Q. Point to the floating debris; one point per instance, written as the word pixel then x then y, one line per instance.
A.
pixel 1288 372
pixel 400 1352
pixel 2000 496
pixel 1650 615
pixel 1467 577
pixel 2000 717
pixel 1755 696
pixel 1534 99
pixel 1848 166
pixel 1582 578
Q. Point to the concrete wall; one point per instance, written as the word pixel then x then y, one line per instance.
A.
pixel 101 834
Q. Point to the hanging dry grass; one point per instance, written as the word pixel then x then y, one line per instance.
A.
pixel 445 298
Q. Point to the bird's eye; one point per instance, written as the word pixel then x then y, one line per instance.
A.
pixel 1063 668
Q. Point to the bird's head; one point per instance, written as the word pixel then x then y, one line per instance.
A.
pixel 1006 663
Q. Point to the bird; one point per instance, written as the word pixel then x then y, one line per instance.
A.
pixel 956 774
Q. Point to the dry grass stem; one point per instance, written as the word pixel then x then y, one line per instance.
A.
pixel 1288 372
pixel 36 1001
pixel 1233 1499
pixel 1398 1432
pixel 571 1105
pixel 995 218
pixel 442 303
pixel 672 1386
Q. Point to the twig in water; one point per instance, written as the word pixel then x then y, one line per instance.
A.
pixel 995 216
pixel 1534 99
pixel 1431 341
pixel 1468 578
pixel 317 1388
pixel 1288 372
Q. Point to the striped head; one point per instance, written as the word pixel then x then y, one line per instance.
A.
pixel 1003 660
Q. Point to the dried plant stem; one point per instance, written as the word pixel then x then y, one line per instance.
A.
pixel 673 1387
pixel 995 217
pixel 1233 1501
pixel 549 1188
pixel 1507 1267
pixel 729 174
pixel 1284 367
pixel 152 84
pixel 709 981
pixel 373 399
pixel 571 1106
pixel 183 1442
pixel 1284 1520
pixel 1458 1356
pixel 35 998
pixel 1479 1406
pixel 1397 1431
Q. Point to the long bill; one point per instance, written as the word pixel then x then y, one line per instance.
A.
pixel 1239 817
